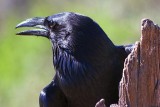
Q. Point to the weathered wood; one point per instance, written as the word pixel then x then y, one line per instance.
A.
pixel 139 86
pixel 100 103
pixel 140 83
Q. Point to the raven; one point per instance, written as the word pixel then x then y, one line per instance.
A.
pixel 88 65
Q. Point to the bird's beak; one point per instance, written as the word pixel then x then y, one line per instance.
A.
pixel 37 22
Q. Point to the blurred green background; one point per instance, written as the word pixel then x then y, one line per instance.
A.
pixel 26 62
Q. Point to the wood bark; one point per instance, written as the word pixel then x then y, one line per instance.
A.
pixel 140 83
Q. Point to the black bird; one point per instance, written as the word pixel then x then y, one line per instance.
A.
pixel 88 65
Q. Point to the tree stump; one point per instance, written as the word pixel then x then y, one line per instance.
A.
pixel 140 83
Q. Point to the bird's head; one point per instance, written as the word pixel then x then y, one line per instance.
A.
pixel 68 31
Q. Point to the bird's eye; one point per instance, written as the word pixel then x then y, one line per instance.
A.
pixel 52 24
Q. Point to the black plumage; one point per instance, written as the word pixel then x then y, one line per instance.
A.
pixel 88 65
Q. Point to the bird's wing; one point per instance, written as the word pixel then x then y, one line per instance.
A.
pixel 52 96
pixel 129 48
pixel 123 51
